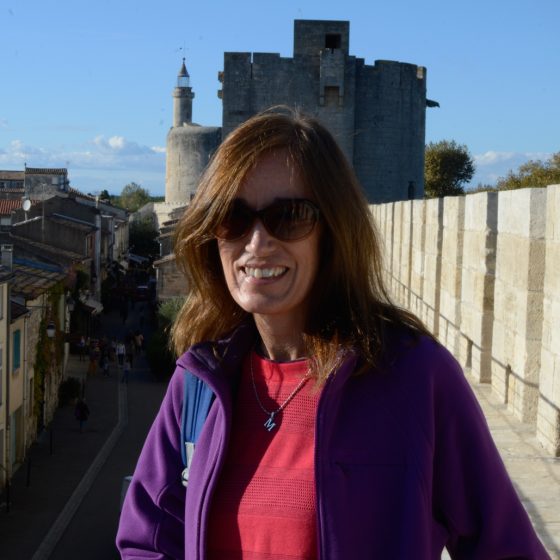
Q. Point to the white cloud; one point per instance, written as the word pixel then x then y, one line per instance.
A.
pixel 492 165
pixel 491 157
pixel 494 158
pixel 111 160
pixel 120 145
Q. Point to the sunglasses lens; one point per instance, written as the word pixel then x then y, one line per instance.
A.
pixel 289 220
pixel 286 220
pixel 237 222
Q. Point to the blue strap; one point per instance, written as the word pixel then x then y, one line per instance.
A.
pixel 197 398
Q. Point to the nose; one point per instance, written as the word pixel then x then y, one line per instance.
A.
pixel 259 242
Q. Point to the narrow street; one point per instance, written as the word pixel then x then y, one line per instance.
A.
pixel 91 533
pixel 65 498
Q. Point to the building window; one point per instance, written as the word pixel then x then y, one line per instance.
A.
pixel 1 379
pixel 332 41
pixel 2 301
pixel 17 350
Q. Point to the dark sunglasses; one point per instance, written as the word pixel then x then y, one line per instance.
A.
pixel 286 219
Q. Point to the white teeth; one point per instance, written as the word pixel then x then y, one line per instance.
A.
pixel 264 272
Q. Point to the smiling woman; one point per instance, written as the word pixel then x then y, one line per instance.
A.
pixel 339 427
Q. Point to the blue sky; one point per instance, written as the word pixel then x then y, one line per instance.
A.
pixel 87 84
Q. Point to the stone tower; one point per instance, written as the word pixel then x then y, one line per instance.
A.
pixel 182 98
pixel 377 113
pixel 189 146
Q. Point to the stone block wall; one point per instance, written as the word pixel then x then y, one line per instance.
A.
pixel 483 272
pixel 451 272
pixel 432 263
pixel 401 261
pixel 418 235
pixel 477 292
pixel 518 300
pixel 548 412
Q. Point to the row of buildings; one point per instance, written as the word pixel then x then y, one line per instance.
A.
pixel 57 246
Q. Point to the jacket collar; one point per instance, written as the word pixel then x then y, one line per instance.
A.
pixel 218 362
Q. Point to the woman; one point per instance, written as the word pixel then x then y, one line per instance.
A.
pixel 340 428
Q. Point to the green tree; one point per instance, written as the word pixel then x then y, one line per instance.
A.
pixel 448 166
pixel 143 238
pixel 133 197
pixel 534 173
pixel 105 196
pixel 161 358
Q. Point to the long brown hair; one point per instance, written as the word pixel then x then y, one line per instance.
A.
pixel 350 306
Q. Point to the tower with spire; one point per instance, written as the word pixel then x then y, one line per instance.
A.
pixel 182 98
pixel 189 145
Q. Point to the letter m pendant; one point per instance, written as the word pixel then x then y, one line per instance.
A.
pixel 270 424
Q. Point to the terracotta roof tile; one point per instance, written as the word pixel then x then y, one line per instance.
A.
pixel 7 205
pixel 45 171
pixel 11 175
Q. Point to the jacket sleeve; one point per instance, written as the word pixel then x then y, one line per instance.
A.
pixel 473 495
pixel 152 519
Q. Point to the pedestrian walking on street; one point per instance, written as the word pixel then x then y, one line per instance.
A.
pixel 130 347
pixel 82 348
pixel 104 364
pixel 94 356
pixel 121 351
pixel 81 412
pixel 340 428
pixel 113 350
pixel 126 371
pixel 138 342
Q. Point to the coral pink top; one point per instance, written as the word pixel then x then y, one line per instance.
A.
pixel 264 506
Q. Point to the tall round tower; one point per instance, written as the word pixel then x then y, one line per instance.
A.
pixel 182 98
pixel 189 145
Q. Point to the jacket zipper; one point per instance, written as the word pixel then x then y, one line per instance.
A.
pixel 318 473
pixel 216 467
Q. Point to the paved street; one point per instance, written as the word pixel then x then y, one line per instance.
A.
pixel 71 507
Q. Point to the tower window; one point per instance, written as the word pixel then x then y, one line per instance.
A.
pixel 332 41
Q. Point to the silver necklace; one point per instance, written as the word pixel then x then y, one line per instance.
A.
pixel 270 424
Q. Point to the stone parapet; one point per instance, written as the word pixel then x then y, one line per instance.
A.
pixel 451 272
pixel 431 291
pixel 518 300
pixel 417 272
pixel 548 412
pixel 477 292
pixel 483 273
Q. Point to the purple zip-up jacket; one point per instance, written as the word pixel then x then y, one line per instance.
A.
pixel 404 464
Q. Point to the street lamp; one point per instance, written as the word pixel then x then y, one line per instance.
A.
pixel 51 329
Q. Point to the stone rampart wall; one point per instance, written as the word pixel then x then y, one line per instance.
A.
pixel 483 272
